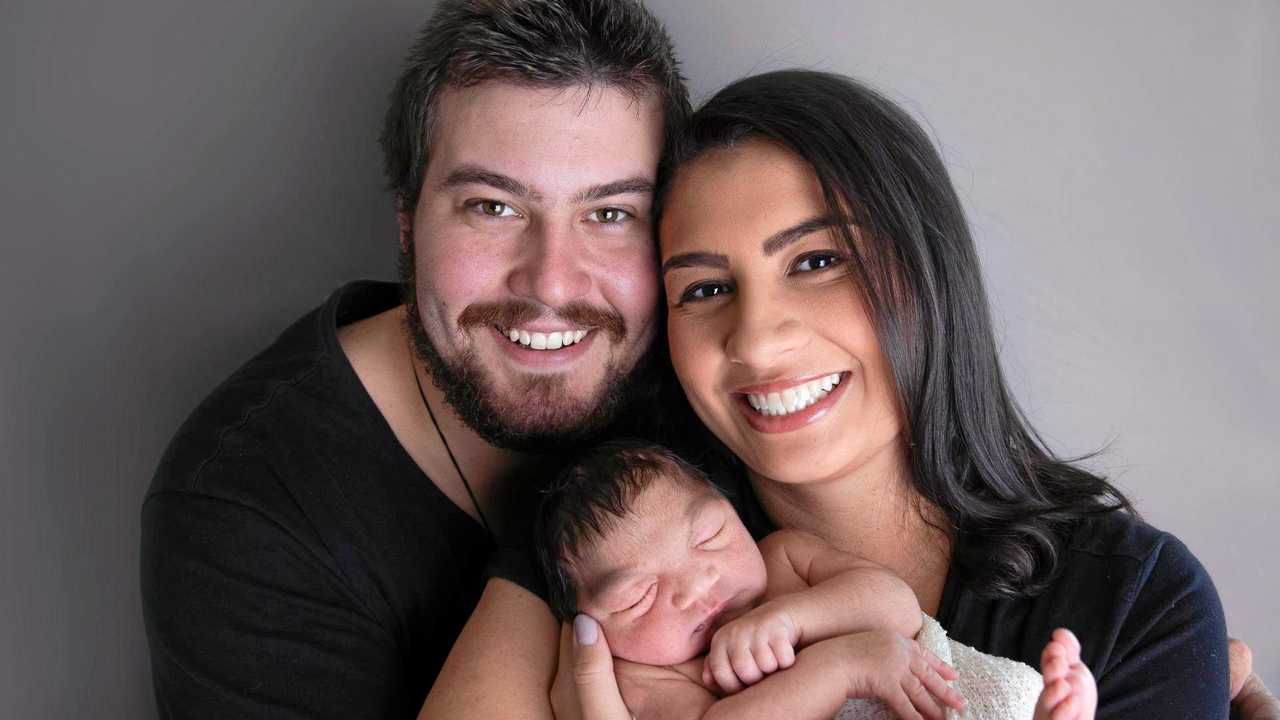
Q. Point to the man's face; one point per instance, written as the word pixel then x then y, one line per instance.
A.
pixel 532 256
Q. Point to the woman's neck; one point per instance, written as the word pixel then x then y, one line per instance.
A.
pixel 874 513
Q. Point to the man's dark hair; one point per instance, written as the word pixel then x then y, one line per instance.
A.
pixel 587 499
pixel 541 43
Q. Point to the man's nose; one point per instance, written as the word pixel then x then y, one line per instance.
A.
pixel 550 270
pixel 695 587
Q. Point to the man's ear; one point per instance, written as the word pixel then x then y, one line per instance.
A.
pixel 405 219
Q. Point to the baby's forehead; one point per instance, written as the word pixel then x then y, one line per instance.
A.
pixel 666 507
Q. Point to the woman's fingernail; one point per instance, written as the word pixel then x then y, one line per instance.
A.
pixel 585 630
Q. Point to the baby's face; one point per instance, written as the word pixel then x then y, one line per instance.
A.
pixel 666 576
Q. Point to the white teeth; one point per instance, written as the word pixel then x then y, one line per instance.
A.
pixel 546 341
pixel 793 398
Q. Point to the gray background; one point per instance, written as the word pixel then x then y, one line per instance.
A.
pixel 182 179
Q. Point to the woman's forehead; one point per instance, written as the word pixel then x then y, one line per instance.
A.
pixel 736 198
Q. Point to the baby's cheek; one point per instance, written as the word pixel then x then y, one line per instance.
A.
pixel 651 644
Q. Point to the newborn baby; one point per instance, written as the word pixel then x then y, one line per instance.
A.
pixel 644 543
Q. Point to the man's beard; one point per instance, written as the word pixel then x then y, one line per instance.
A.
pixel 537 415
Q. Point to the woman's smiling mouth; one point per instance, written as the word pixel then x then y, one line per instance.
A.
pixel 779 407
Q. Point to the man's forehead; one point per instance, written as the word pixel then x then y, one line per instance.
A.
pixel 555 141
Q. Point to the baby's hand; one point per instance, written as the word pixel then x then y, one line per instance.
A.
pixel 899 672
pixel 752 646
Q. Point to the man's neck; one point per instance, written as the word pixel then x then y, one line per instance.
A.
pixel 874 513
pixel 380 355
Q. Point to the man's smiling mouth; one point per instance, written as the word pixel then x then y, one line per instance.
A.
pixel 544 340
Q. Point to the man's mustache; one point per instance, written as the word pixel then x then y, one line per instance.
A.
pixel 513 314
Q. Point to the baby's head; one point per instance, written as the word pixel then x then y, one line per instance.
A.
pixel 644 543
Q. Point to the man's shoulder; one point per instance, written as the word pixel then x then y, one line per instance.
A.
pixel 269 404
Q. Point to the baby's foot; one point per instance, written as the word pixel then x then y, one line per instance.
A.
pixel 1069 690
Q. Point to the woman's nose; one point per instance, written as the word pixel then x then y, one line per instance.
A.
pixel 763 333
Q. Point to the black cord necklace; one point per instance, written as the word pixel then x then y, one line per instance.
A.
pixel 422 394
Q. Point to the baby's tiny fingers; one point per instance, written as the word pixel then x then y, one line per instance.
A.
pixel 724 677
pixel 943 669
pixel 744 665
pixel 901 706
pixel 921 700
pixel 785 653
pixel 938 686
pixel 765 659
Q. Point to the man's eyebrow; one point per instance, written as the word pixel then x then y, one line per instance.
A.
pixel 473 175
pixel 783 238
pixel 629 186
pixel 695 259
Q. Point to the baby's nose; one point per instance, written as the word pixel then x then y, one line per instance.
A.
pixel 696 588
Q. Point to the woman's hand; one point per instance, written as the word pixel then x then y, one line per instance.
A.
pixel 585 687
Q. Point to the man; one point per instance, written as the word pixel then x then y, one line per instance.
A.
pixel 317 532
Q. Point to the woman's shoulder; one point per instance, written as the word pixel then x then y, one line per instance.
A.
pixel 1119 580
pixel 1124 547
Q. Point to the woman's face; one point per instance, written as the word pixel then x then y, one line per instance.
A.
pixel 769 335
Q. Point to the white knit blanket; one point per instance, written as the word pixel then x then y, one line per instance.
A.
pixel 994 688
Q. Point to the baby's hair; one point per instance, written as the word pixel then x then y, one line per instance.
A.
pixel 588 497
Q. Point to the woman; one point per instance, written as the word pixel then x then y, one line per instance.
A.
pixel 809 228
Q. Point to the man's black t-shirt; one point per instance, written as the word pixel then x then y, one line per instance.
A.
pixel 296 563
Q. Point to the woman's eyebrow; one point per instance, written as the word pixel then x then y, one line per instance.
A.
pixel 771 246
pixel 695 259
pixel 783 238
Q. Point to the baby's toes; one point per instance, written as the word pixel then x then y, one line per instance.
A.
pixel 1053 694
pixel 1053 662
pixel 1084 690
pixel 1069 643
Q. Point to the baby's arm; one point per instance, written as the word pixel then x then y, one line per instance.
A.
pixel 878 664
pixel 829 592
pixel 814 592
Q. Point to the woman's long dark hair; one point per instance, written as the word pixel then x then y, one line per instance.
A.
pixel 1008 499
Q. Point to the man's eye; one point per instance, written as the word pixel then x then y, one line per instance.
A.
pixel 493 208
pixel 609 215
pixel 816 261
pixel 704 291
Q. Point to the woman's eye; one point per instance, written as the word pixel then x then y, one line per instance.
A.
pixel 704 291
pixel 493 208
pixel 609 215
pixel 816 261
